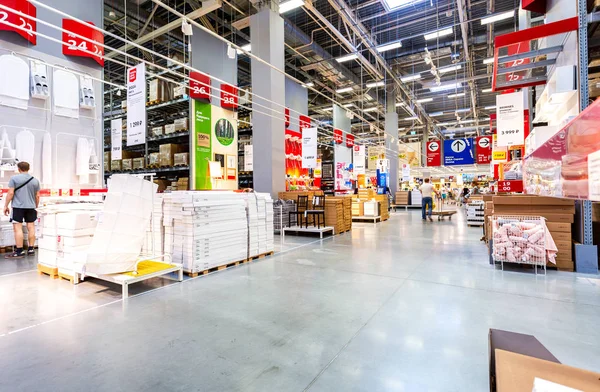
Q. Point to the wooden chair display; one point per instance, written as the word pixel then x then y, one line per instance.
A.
pixel 301 208
pixel 317 212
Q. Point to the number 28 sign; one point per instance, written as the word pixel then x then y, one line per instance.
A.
pixel 88 46
pixel 27 26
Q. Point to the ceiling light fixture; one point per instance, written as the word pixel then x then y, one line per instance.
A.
pixel 490 107
pixel 373 109
pixel 386 47
pixel 309 84
pixel 424 100
pixel 392 4
pixel 436 114
pixel 438 34
pixel 489 60
pixel 456 95
pixel 498 17
pixel 410 118
pixel 486 90
pixel 462 110
pixel 376 84
pixel 348 105
pixel 290 5
pixel 344 90
pixel 449 69
pixel 329 109
pixel 398 104
pixel 410 78
pixel 349 57
pixel 246 47
pixel 445 87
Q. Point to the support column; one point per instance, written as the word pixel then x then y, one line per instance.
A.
pixel 424 146
pixel 268 120
pixel 391 138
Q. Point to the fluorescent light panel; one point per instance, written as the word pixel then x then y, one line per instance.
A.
pixel 373 109
pixel 424 100
pixel 398 104
pixel 290 5
pixel 309 84
pixel 344 90
pixel 386 47
pixel 391 4
pixel 456 95
pixel 486 90
pixel 445 87
pixel 490 107
pixel 489 60
pixel 329 109
pixel 245 47
pixel 410 78
pixel 376 84
pixel 410 118
pixel 449 69
pixel 436 114
pixel 438 34
pixel 348 105
pixel 349 57
pixel 498 17
pixel 462 110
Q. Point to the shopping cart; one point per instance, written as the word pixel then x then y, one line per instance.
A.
pixel 440 212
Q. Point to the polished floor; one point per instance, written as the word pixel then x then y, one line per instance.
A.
pixel 397 306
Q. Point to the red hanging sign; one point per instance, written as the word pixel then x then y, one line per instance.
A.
pixel 484 149
pixel 349 140
pixel 510 186
pixel 229 96
pixel 199 86
pixel 338 136
pixel 287 117
pixel 434 153
pixel 304 122
pixel 82 47
pixel 24 7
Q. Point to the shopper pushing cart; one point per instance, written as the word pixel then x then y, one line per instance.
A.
pixel 427 190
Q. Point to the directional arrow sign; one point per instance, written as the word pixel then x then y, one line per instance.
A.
pixel 484 150
pixel 458 152
pixel 434 156
pixel 484 142
pixel 433 146
pixel 458 146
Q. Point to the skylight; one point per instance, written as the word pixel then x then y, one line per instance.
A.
pixel 393 4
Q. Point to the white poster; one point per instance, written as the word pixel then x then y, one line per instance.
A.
pixel 510 123
pixel 248 157
pixel 405 172
pixel 309 148
pixel 136 105
pixel 359 158
pixel 116 139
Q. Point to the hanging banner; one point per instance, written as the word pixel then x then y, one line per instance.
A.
pixel 24 7
pixel 116 139
pixel 338 136
pixel 199 86
pixel 458 152
pixel 405 172
pixel 484 150
pixel 136 105
pixel 248 157
pixel 88 46
pixel 309 148
pixel 229 96
pixel 509 119
pixel 349 140
pixel 411 153
pixel 358 159
pixel 434 153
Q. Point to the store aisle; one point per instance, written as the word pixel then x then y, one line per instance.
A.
pixel 398 306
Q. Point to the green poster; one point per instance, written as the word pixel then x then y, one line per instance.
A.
pixel 202 152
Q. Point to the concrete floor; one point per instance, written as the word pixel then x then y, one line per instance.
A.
pixel 398 306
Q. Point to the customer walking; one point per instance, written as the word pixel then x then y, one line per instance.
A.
pixel 24 193
pixel 427 204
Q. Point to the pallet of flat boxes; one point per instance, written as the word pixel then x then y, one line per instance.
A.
pixel 475 213
pixel 402 198
pixel 559 214
pixel 261 206
pixel 205 230
pixel 338 213
pixel 383 206
pixel 154 242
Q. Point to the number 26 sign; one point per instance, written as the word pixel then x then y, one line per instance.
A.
pixel 88 46
pixel 26 27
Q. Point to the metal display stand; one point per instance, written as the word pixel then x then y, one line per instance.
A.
pixel 366 218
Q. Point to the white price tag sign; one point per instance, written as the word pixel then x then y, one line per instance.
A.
pixel 136 105
pixel 116 139
pixel 309 148
pixel 510 121
pixel 358 159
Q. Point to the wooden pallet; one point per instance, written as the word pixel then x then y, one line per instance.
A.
pixel 208 271
pixel 51 272
pixel 155 102
pixel 6 249
pixel 70 278
pixel 260 256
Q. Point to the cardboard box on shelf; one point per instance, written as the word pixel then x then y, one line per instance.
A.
pixel 561 236
pixel 402 198
pixel 181 159
pixel 169 129
pixel 181 124
pixel 106 156
pixel 162 184
pixel 127 164
pixel 534 209
pixel 532 200
pixel 158 90
pixel 167 153
pixel 153 159
pixel 157 131
pixel 139 163
pixel 558 227
pixel 179 91
pixel 106 166
pixel 116 165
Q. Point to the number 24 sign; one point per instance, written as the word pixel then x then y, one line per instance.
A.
pixel 26 26
pixel 88 46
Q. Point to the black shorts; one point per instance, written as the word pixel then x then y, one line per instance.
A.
pixel 29 215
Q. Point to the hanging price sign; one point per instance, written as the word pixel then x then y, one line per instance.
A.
pixel 229 96
pixel 27 26
pixel 199 86
pixel 88 46
pixel 338 136
pixel 510 186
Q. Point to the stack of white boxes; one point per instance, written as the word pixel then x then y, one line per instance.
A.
pixel 476 213
pixel 154 243
pixel 253 226
pixel 269 223
pixel 208 229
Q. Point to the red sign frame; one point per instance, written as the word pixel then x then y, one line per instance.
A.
pixel 349 140
pixel 338 136
pixel 24 7
pixel 229 96
pixel 304 122
pixel 484 154
pixel 199 84
pixel 287 117
pixel 73 45
pixel 434 158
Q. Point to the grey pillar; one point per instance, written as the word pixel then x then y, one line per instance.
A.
pixel 424 146
pixel 268 120
pixel 391 139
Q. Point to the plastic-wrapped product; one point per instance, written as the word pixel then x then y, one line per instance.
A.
pixel 510 255
pixel 527 225
pixel 534 252
pixel 514 230
pixel 534 238
pixel 502 244
pixel 517 239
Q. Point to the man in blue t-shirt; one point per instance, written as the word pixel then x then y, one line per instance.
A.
pixel 24 192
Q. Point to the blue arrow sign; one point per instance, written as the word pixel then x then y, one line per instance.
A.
pixel 458 152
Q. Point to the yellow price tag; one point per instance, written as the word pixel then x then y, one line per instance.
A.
pixel 499 155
